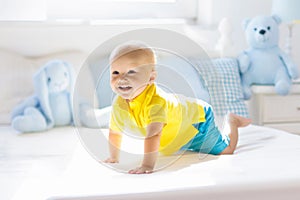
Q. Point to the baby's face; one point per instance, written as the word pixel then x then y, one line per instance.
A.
pixel 129 77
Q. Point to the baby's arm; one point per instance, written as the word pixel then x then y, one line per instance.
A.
pixel 115 140
pixel 151 146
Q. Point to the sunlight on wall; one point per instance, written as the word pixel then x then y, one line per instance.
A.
pixel 18 10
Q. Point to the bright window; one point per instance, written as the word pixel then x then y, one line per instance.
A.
pixel 23 10
pixel 39 10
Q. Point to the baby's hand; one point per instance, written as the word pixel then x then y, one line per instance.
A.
pixel 141 170
pixel 111 160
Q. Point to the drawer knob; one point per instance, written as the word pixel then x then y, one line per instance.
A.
pixel 298 108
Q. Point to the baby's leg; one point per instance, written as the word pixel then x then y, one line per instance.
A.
pixel 234 121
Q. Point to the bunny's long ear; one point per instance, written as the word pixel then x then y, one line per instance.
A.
pixel 40 81
pixel 71 82
pixel 71 74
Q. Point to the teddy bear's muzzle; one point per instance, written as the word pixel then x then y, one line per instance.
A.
pixel 262 32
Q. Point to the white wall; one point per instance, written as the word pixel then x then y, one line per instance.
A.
pixel 212 11
pixel 34 39
pixel 236 11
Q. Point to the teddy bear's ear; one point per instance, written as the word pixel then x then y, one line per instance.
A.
pixel 277 19
pixel 245 23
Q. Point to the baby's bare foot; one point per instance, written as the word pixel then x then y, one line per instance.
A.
pixel 238 121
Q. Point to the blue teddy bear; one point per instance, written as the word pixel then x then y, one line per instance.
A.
pixel 51 105
pixel 264 63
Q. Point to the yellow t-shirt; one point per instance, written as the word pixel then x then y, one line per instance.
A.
pixel 177 112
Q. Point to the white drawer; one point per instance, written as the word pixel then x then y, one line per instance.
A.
pixel 281 108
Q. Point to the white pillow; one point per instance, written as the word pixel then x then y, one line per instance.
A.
pixel 74 57
pixel 15 81
pixel 103 116
pixel 17 72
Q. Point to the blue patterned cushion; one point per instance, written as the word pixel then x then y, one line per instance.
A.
pixel 223 81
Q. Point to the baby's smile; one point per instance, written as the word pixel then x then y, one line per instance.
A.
pixel 124 88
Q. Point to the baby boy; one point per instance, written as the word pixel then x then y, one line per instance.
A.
pixel 169 122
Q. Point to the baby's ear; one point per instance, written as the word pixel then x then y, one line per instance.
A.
pixel 153 76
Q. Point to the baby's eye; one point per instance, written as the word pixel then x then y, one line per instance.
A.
pixel 269 28
pixel 255 29
pixel 115 73
pixel 131 72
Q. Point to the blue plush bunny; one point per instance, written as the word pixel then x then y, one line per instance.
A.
pixel 264 62
pixel 52 103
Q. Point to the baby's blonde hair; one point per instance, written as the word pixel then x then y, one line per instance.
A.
pixel 133 47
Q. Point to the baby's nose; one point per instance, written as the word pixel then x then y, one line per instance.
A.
pixel 123 78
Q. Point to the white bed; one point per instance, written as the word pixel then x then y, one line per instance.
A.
pixel 55 165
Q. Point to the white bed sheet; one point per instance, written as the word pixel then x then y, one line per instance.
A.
pixel 266 165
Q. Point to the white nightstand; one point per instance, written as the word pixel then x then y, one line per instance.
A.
pixel 267 108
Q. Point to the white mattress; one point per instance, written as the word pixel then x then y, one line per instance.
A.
pixel 54 165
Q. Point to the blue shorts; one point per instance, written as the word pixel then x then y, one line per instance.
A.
pixel 209 139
